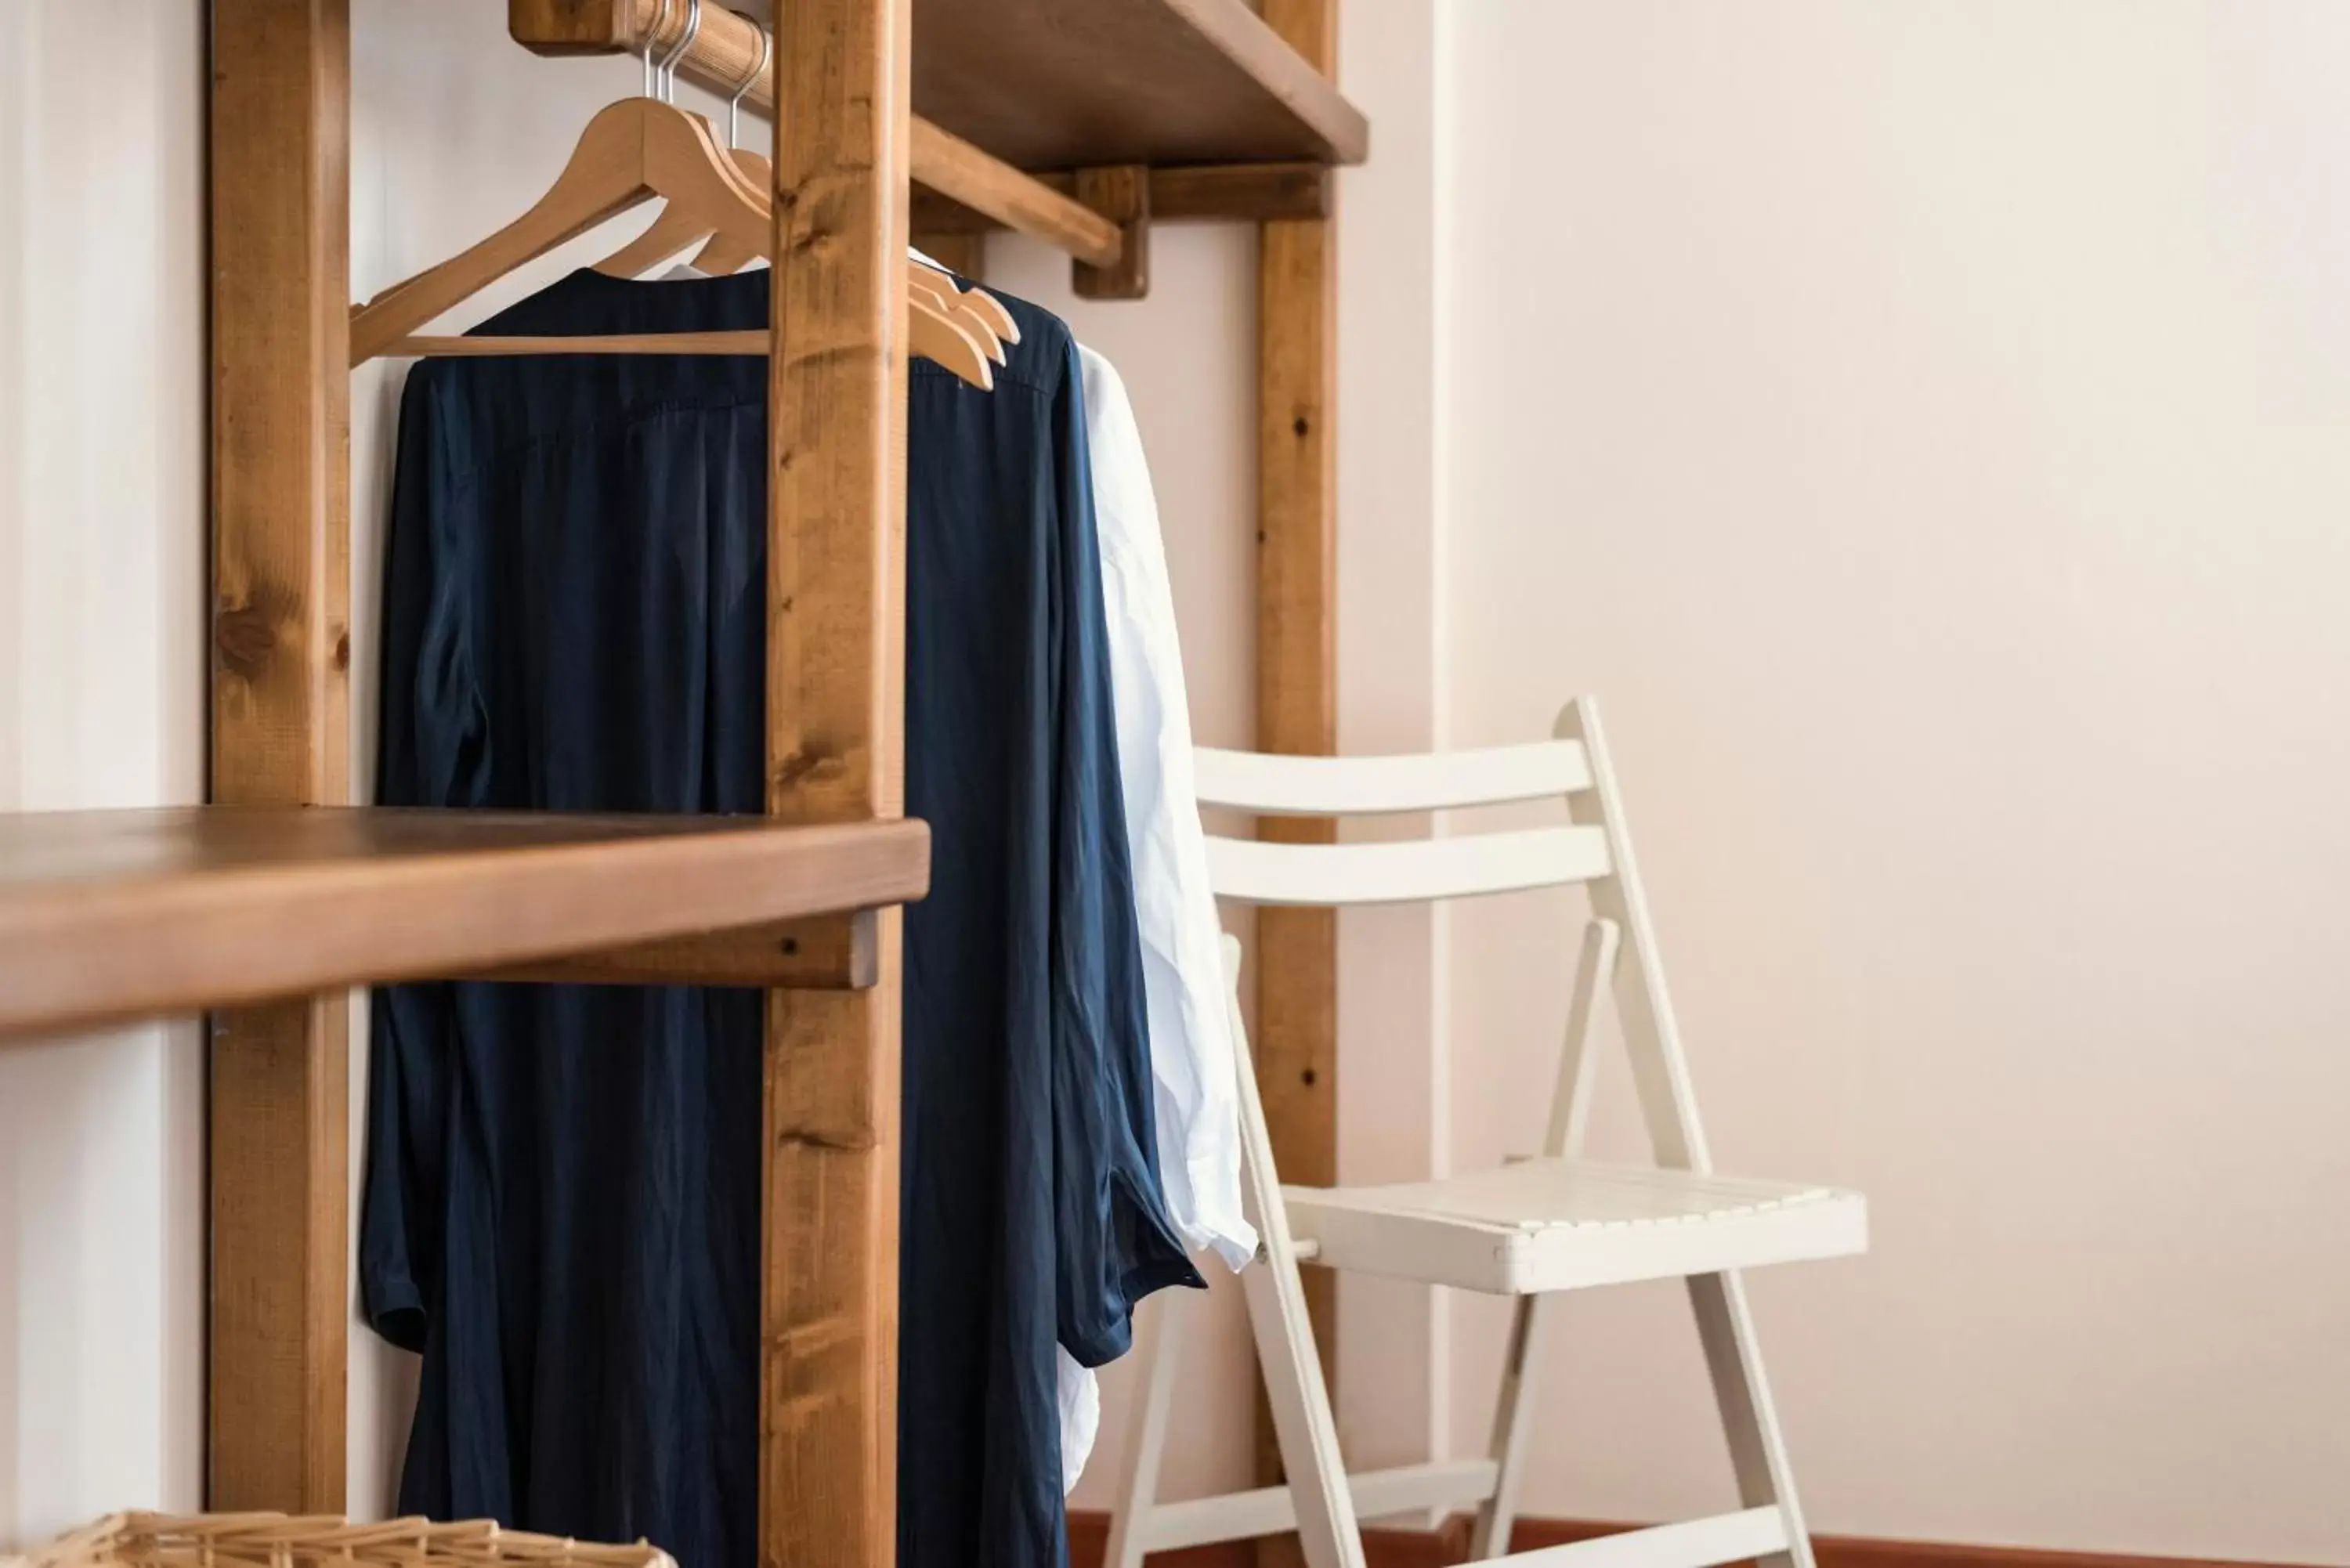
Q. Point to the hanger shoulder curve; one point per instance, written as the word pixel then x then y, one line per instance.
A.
pixel 604 176
pixel 948 344
pixel 990 309
pixel 731 252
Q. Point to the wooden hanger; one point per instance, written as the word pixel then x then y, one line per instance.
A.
pixel 978 301
pixel 956 307
pixel 929 291
pixel 630 153
pixel 732 249
pixel 738 234
pixel 680 225
pixel 979 313
pixel 676 231
pixel 948 344
pixel 727 253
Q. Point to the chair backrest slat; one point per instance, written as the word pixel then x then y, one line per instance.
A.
pixel 1421 868
pixel 1353 787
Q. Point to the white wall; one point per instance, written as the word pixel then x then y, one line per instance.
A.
pixel 1923 425
pixel 101 704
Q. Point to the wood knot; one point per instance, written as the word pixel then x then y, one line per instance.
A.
pixel 851 1140
pixel 801 765
pixel 244 636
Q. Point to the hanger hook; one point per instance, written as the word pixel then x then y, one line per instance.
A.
pixel 734 104
pixel 684 42
pixel 652 80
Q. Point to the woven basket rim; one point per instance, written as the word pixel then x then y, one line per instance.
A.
pixel 150 1539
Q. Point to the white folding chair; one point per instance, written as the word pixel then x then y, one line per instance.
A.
pixel 1529 1230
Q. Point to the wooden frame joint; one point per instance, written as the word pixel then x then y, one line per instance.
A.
pixel 1120 192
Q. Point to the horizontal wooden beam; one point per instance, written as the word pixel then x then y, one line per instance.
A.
pixel 725 54
pixel 821 952
pixel 957 170
pixel 1207 193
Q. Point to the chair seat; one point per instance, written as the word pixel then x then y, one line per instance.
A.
pixel 1558 1225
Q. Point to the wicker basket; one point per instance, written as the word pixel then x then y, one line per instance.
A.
pixel 318 1541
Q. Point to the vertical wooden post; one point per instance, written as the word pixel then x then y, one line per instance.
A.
pixel 836 716
pixel 1296 1040
pixel 280 127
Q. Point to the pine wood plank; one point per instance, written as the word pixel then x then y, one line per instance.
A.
pixel 836 714
pixel 1296 1037
pixel 1063 84
pixel 988 185
pixel 1203 193
pixel 113 915
pixel 1045 84
pixel 279 129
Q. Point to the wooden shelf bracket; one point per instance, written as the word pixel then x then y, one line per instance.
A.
pixel 1122 194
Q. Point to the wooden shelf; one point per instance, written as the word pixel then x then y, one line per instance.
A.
pixel 1043 84
pixel 1066 84
pixel 108 916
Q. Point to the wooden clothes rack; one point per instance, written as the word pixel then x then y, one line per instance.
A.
pixel 1079 121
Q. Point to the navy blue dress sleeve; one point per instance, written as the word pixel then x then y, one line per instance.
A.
pixel 433 751
pixel 1116 1240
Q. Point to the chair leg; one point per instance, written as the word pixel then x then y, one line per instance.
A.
pixel 1570 1109
pixel 1758 1453
pixel 1159 1339
pixel 1286 1352
pixel 1327 1530
pixel 1530 1324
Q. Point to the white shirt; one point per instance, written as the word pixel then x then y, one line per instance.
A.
pixel 1191 1066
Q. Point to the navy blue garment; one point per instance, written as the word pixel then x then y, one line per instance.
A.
pixel 563 1183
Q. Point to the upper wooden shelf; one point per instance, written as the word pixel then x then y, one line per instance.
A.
pixel 1064 84
pixel 1042 84
pixel 106 916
